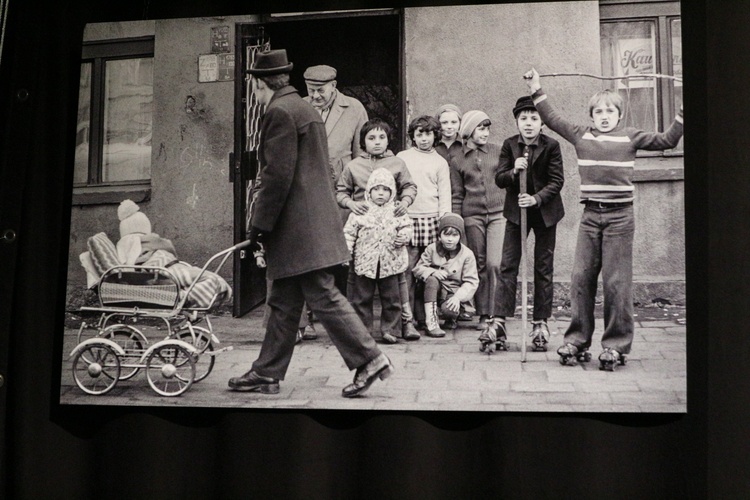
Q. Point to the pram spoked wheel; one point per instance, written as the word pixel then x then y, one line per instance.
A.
pixel 170 368
pixel 132 341
pixel 203 359
pixel 96 367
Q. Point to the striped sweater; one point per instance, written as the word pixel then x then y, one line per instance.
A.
pixel 606 160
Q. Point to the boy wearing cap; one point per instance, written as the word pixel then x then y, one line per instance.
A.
pixel 448 270
pixel 343 116
pixel 538 157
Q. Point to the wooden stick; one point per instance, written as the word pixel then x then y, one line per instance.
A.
pixel 524 285
pixel 623 77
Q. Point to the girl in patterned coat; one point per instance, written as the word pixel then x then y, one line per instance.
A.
pixel 377 242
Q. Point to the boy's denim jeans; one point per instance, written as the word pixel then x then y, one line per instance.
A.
pixel 605 243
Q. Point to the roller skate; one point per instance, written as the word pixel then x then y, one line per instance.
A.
pixel 493 337
pixel 570 355
pixel 540 336
pixel 502 334
pixel 609 359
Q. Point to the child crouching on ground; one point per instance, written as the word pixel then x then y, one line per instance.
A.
pixel 377 242
pixel 606 157
pixel 449 272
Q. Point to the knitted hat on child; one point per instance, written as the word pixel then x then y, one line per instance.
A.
pixel 470 121
pixel 132 220
pixel 451 220
pixel 448 107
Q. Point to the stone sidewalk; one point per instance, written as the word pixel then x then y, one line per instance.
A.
pixel 432 374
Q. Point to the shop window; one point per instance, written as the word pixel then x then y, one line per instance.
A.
pixel 644 39
pixel 115 117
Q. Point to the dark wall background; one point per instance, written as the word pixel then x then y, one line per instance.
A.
pixel 54 452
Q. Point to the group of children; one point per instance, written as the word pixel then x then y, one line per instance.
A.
pixel 409 241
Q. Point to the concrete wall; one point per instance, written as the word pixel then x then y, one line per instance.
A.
pixel 191 195
pixel 473 56
pixel 191 198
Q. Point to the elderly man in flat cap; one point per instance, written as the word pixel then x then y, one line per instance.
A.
pixel 295 202
pixel 343 116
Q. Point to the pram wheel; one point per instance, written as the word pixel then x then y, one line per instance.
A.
pixel 170 369
pixel 96 368
pixel 203 359
pixel 132 341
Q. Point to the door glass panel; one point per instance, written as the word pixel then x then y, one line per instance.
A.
pixel 629 48
pixel 81 169
pixel 128 106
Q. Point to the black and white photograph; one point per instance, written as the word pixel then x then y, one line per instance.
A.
pixel 466 208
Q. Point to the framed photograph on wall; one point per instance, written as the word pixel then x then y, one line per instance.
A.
pixel 165 299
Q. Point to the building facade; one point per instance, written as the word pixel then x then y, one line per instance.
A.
pixel 160 108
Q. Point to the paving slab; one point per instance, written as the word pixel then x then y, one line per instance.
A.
pixel 448 374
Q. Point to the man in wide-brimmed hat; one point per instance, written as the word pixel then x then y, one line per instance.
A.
pixel 296 215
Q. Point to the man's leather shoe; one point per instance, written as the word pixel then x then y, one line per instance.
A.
pixel 309 333
pixel 380 367
pixel 252 382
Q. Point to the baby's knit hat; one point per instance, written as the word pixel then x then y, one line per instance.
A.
pixel 448 107
pixel 470 121
pixel 451 220
pixel 132 220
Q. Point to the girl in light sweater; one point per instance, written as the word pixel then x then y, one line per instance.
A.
pixel 431 174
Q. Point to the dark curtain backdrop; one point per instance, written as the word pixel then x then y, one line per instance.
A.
pixel 59 452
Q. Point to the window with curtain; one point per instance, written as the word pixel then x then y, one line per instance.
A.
pixel 642 40
pixel 115 110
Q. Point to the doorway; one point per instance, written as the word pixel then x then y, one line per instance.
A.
pixel 366 50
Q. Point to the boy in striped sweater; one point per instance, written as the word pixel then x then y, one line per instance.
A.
pixel 606 156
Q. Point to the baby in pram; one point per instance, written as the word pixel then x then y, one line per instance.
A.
pixel 138 245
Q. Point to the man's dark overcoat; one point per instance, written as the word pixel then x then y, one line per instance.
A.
pixel 295 208
pixel 548 181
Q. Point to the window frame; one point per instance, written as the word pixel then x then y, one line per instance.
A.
pixel 98 53
pixel 662 13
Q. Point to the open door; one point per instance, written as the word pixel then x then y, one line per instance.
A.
pixel 249 285
pixel 366 50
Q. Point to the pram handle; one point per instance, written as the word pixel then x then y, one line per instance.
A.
pixel 241 245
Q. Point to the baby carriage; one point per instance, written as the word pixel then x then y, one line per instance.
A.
pixel 133 296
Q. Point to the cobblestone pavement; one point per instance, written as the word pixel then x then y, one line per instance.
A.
pixel 431 374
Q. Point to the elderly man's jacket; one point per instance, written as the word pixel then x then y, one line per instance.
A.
pixel 343 124
pixel 295 207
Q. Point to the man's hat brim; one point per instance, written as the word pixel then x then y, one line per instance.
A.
pixel 271 71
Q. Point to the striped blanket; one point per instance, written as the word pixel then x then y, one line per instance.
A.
pixel 102 255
